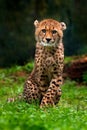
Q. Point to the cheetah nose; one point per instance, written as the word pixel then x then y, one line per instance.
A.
pixel 48 39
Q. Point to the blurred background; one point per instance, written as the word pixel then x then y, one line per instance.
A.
pixel 17 42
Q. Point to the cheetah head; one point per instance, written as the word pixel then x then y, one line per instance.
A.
pixel 49 32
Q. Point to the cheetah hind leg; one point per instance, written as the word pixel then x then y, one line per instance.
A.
pixel 31 92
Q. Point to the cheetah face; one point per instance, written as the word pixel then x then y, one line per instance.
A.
pixel 49 32
pixel 48 37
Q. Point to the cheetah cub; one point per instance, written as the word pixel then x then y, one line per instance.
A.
pixel 44 83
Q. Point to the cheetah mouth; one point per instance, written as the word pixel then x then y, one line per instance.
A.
pixel 47 44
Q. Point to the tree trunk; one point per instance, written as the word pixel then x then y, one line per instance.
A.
pixel 76 68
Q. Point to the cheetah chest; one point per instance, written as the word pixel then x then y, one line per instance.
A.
pixel 50 66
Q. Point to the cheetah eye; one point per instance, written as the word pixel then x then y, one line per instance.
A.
pixel 54 31
pixel 44 30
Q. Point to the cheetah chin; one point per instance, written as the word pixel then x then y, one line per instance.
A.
pixel 47 44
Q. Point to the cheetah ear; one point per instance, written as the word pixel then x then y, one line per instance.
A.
pixel 63 25
pixel 36 23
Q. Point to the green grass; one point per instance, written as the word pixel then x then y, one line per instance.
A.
pixel 69 114
pixel 68 59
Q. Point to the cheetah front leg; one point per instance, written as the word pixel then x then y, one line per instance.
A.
pixel 53 93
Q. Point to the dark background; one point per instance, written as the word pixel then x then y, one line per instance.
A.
pixel 17 42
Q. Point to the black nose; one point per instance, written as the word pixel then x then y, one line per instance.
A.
pixel 48 39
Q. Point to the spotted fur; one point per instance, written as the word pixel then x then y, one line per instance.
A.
pixel 44 83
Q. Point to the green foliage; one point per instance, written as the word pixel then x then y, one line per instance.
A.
pixel 83 50
pixel 85 77
pixel 69 114
pixel 6 73
pixel 68 59
pixel 29 66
